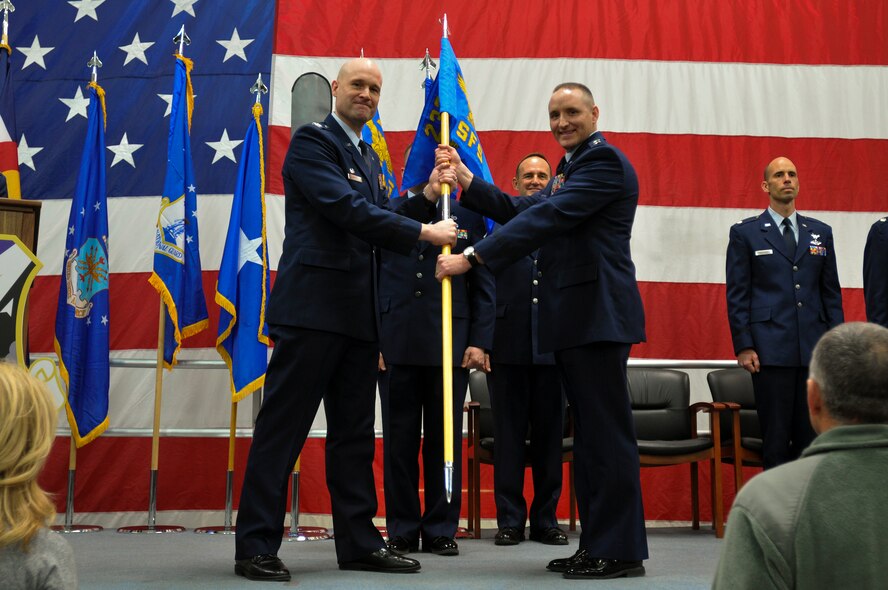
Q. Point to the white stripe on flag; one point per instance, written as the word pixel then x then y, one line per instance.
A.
pixel 635 96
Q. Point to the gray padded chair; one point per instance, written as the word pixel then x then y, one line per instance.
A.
pixel 733 387
pixel 481 448
pixel 666 428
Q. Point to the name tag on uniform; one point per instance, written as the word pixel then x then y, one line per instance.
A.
pixel 355 177
pixel 763 252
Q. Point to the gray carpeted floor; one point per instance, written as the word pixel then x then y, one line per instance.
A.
pixel 681 559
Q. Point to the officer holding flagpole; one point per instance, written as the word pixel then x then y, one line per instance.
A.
pixel 323 319
pixel 590 315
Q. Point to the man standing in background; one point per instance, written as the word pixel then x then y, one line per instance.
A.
pixel 411 380
pixel 875 273
pixel 525 390
pixel 783 293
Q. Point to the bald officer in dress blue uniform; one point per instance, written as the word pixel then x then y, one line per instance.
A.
pixel 525 394
pixel 875 273
pixel 323 319
pixel 590 315
pixel 783 293
pixel 410 382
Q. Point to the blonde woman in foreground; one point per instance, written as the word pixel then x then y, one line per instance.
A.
pixel 31 556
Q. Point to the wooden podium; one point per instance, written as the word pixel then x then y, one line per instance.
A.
pixel 21 220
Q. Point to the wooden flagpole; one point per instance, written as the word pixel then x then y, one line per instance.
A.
pixel 447 325
pixel 152 527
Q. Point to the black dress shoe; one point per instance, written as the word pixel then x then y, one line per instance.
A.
pixel 382 560
pixel 263 568
pixel 508 536
pixel 441 546
pixel 550 536
pixel 578 559
pixel 603 569
pixel 401 546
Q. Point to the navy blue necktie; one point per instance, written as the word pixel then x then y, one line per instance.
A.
pixel 788 236
pixel 365 151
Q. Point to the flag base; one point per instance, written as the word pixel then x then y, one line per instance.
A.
pixel 308 533
pixel 75 528
pixel 157 528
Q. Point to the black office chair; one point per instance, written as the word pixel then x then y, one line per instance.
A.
pixel 733 387
pixel 481 448
pixel 666 428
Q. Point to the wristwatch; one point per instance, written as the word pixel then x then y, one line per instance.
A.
pixel 469 253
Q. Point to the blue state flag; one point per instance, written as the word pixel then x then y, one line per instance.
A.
pixel 374 135
pixel 177 275
pixel 243 285
pixel 447 93
pixel 82 316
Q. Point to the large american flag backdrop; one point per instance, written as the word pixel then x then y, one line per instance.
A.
pixel 700 95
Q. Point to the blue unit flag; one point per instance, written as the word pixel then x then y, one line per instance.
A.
pixel 448 94
pixel 243 285
pixel 82 316
pixel 177 274
pixel 374 135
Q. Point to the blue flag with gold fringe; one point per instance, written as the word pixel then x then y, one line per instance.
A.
pixel 448 94
pixel 243 285
pixel 374 135
pixel 82 315
pixel 177 274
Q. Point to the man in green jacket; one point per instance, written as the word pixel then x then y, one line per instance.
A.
pixel 820 521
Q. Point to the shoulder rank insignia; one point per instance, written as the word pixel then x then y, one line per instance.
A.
pixel 319 125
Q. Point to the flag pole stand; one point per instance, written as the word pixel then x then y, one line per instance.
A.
pixel 155 444
pixel 296 532
pixel 69 526
pixel 226 529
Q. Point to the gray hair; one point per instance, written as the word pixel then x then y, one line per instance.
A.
pixel 850 363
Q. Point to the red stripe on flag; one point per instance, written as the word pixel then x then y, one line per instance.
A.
pixel 684 320
pixel 835 31
pixel 134 312
pixel 688 170
pixel 116 485
pixel 8 156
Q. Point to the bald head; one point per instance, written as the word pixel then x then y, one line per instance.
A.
pixel 356 91
pixel 782 184
pixel 777 163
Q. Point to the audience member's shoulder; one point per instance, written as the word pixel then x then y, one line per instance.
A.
pixel 59 559
pixel 54 542
pixel 771 494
